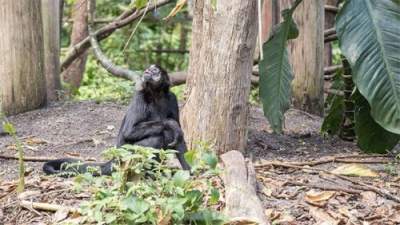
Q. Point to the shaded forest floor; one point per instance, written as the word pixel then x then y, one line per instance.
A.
pixel 293 193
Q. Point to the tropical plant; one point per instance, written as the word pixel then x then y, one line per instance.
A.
pixel 369 37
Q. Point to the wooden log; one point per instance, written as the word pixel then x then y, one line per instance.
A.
pixel 240 192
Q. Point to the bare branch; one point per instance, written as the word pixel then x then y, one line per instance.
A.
pixel 331 8
pixel 104 61
pixel 124 19
pixel 329 32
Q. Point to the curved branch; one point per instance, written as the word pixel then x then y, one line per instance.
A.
pixel 124 19
pixel 101 57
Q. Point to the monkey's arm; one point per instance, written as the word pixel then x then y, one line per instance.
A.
pixel 173 107
pixel 136 125
pixel 143 130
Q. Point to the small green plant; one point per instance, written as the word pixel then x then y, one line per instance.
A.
pixel 10 129
pixel 393 167
pixel 146 191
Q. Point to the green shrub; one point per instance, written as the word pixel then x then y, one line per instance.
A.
pixel 145 191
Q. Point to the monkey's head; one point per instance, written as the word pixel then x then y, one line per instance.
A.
pixel 154 79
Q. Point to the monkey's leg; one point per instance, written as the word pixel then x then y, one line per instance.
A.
pixel 181 148
pixel 153 142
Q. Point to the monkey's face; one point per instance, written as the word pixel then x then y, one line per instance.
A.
pixel 155 78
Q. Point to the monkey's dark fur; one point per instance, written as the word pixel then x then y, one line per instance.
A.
pixel 152 120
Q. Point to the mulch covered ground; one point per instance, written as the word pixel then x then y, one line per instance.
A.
pixel 298 183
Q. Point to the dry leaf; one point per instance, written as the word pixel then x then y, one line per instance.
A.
pixel 60 215
pixel 27 194
pixel 355 170
pixel 241 221
pixel 72 154
pixel 178 7
pixel 344 211
pixel 321 217
pixel 35 141
pixel 272 214
pixel 163 219
pixel 369 198
pixel 318 198
pixel 285 218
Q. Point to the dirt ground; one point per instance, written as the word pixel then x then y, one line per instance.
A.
pixel 85 129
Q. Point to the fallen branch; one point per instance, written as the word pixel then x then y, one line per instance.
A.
pixel 337 159
pixel 27 158
pixel 124 19
pixel 46 206
pixel 324 187
pixel 240 192
pixel 40 159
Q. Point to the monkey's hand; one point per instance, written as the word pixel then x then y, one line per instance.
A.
pixel 177 134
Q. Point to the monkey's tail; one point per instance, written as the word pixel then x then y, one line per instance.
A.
pixel 68 167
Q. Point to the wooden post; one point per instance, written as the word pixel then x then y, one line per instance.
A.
pixel 51 38
pixel 306 56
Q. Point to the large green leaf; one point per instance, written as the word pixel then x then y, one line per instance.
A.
pixel 371 137
pixel 369 35
pixel 276 73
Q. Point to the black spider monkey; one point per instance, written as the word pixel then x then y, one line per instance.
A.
pixel 152 120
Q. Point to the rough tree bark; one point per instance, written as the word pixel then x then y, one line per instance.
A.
pixel 51 37
pixel 329 23
pixel 223 42
pixel 306 56
pixel 74 73
pixel 22 80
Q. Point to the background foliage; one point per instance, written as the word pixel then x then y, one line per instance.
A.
pixel 152 34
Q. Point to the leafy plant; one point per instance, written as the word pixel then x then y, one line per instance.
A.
pixel 275 71
pixel 371 136
pixel 335 104
pixel 369 36
pixel 145 191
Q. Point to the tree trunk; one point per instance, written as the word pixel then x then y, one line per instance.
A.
pixel 51 37
pixel 22 80
pixel 74 73
pixel 223 42
pixel 329 23
pixel 306 56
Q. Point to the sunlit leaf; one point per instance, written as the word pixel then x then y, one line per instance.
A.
pixel 355 170
pixel 318 198
pixel 9 128
pixel 180 177
pixel 178 7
